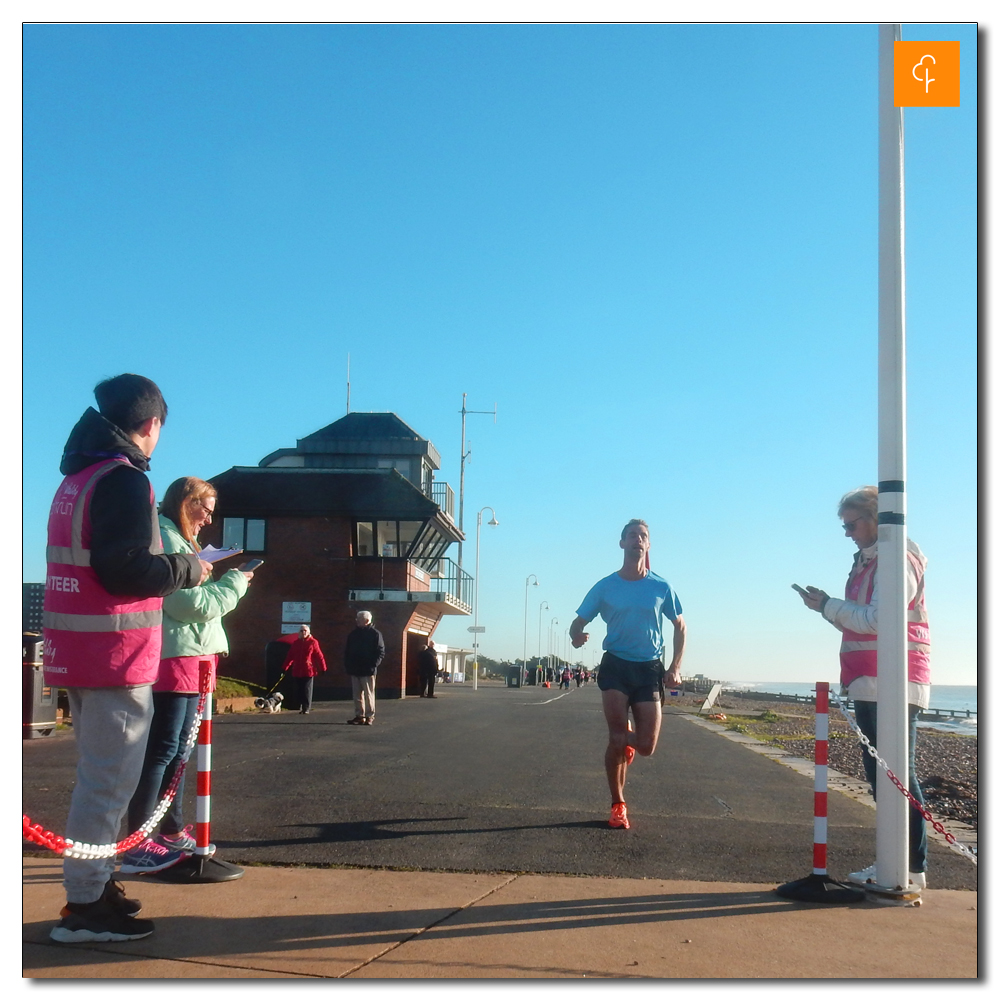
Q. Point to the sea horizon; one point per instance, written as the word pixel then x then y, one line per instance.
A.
pixel 944 697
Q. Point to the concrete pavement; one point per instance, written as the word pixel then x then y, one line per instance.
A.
pixel 726 824
pixel 295 923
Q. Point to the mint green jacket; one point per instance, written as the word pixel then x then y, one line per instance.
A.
pixel 192 618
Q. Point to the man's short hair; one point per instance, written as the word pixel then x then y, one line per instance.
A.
pixel 632 524
pixel 367 615
pixel 128 401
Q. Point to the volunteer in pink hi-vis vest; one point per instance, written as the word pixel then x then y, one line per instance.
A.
pixel 104 584
pixel 857 618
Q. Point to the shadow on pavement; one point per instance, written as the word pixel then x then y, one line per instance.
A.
pixel 370 830
pixel 195 937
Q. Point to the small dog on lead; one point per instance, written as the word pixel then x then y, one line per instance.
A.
pixel 270 704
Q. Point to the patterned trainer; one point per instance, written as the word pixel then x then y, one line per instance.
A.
pixel 183 841
pixel 150 856
pixel 619 817
pixel 98 921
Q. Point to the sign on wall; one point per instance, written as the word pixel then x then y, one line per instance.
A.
pixel 298 612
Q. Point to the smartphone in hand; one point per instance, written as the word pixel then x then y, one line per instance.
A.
pixel 251 565
pixel 804 593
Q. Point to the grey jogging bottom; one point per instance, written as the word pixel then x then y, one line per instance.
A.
pixel 110 725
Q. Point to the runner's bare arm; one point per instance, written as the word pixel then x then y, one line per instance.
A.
pixel 576 634
pixel 673 677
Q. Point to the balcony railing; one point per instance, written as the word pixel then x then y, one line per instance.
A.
pixel 444 496
pixel 453 580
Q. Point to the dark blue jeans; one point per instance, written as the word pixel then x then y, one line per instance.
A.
pixel 866 715
pixel 173 720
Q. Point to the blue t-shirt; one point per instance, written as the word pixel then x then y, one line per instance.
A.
pixel 633 610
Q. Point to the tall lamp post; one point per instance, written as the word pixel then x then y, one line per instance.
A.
pixel 545 605
pixel 475 634
pixel 555 621
pixel 524 655
pixel 461 476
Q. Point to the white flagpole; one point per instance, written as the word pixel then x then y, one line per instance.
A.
pixel 891 841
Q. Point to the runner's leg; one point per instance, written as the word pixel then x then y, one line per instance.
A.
pixel 616 714
pixel 647 726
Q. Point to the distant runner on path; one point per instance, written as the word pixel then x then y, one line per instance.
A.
pixel 633 602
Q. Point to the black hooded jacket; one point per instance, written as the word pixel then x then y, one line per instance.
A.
pixel 121 519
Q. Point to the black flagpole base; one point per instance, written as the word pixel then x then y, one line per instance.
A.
pixel 816 889
pixel 197 868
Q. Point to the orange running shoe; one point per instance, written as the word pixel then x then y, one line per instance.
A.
pixel 629 750
pixel 619 818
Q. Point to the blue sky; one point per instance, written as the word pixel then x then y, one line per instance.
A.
pixel 653 247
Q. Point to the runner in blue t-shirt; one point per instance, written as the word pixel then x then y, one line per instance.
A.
pixel 634 601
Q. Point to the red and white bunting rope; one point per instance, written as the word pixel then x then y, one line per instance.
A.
pixel 37 834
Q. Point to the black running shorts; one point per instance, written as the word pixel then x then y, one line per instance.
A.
pixel 639 681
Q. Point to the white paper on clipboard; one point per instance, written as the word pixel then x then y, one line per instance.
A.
pixel 212 555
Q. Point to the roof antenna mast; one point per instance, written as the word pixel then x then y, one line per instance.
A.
pixel 348 382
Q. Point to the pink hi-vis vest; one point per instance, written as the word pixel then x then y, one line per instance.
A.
pixel 858 657
pixel 93 638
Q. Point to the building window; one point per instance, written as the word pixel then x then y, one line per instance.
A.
pixel 387 539
pixel 366 540
pixel 244 533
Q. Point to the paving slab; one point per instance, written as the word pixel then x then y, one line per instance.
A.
pixel 293 921
pixel 378 924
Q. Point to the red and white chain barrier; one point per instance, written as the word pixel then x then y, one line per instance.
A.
pixel 949 837
pixel 820 779
pixel 72 849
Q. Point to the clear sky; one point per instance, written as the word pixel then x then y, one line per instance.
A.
pixel 653 247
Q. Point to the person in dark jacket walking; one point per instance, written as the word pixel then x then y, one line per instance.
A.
pixel 306 660
pixel 363 653
pixel 427 669
pixel 104 584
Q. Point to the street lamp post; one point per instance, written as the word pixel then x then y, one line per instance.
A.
pixel 475 635
pixel 524 655
pixel 461 477
pixel 555 621
pixel 545 605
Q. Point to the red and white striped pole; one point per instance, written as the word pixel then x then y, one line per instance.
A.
pixel 820 778
pixel 203 866
pixel 819 887
pixel 203 807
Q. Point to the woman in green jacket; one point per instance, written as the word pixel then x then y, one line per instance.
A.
pixel 192 631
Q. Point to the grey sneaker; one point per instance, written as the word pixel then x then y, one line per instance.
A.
pixel 98 921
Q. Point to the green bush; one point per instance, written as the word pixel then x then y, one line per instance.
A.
pixel 226 688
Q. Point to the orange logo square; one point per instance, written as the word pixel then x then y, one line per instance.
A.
pixel 925 74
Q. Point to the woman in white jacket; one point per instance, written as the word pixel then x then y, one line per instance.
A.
pixel 856 616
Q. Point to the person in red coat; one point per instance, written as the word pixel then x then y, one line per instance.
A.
pixel 306 660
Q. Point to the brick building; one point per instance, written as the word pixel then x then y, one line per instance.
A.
pixel 350 519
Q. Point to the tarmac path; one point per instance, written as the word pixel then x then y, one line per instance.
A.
pixel 500 780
